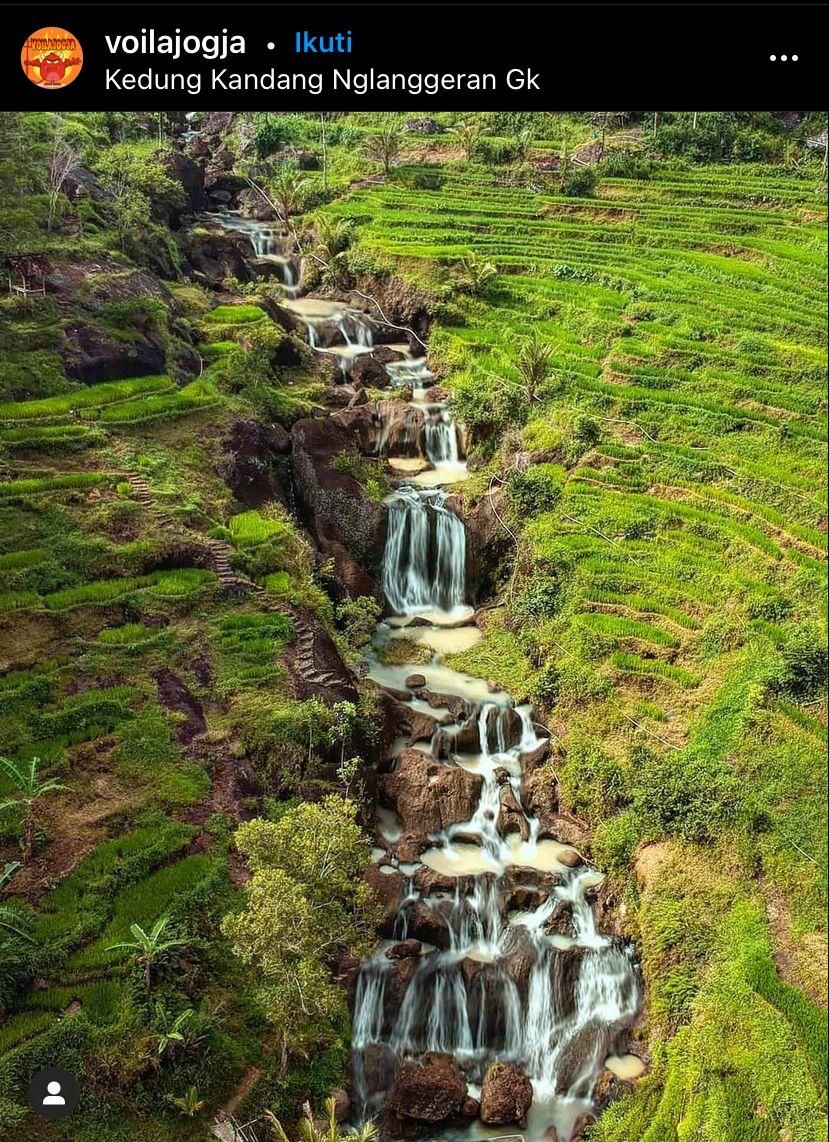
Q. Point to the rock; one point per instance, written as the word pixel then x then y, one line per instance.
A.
pixel 582 1123
pixel 81 183
pixel 416 681
pixel 429 796
pixel 190 175
pixel 218 254
pixel 92 354
pixel 388 892
pixel 430 1091
pixel 255 465
pixel 216 126
pixel 406 949
pixel 487 544
pixel 174 695
pixel 325 675
pixel 435 394
pixel 532 759
pixel 252 205
pixel 511 817
pixel 458 707
pixel 376 1065
pixel 365 369
pixel 342 1104
pixel 335 505
pixel 506 1095
pixel 423 125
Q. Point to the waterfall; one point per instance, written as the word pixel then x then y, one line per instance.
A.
pixel 424 565
pixel 440 437
pixel 265 239
pixel 533 983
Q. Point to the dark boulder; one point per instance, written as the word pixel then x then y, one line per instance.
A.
pixel 215 255
pixel 423 125
pixel 81 183
pixel 176 696
pixel 190 175
pixel 91 353
pixel 506 1095
pixel 255 464
pixel 429 796
pixel 430 1091
pixel 334 504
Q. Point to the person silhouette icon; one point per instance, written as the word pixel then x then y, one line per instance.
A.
pixel 54 1097
pixel 54 1093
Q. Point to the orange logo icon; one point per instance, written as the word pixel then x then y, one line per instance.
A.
pixel 51 57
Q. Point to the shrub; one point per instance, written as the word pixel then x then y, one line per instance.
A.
pixel 626 164
pixel 803 663
pixel 579 182
pixel 536 490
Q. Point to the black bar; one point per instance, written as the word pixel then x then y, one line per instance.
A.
pixel 683 56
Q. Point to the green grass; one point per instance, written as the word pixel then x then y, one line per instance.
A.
pixel 234 315
pixel 84 399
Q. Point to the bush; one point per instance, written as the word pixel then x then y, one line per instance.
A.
pixel 498 152
pixel 803 664
pixel 626 164
pixel 579 182
pixel 536 490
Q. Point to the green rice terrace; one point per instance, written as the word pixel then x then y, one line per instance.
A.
pixel 413 626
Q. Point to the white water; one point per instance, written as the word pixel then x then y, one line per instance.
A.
pixel 562 1016
pixel 424 565
pixel 268 245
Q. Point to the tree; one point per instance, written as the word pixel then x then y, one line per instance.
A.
pixel 534 362
pixel 384 146
pixel 605 120
pixel 23 776
pixel 10 919
pixel 149 947
pixel 63 159
pixel 330 1132
pixel 288 190
pixel 469 132
pixel 524 144
pixel 333 236
pixel 306 900
pixel 475 274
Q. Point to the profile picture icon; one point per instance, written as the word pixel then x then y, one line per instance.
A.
pixel 51 58
pixel 53 1095
pixel 53 1092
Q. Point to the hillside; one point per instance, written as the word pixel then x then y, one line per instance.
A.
pixel 361 478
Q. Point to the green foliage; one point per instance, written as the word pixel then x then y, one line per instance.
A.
pixel 306 898
pixel 534 491
pixel 579 182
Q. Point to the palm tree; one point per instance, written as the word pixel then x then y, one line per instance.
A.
pixel 384 146
pixel 23 775
pixel 469 133
pixel 288 188
pixel 533 363
pixel 333 236
pixel 149 947
pixel 308 1132
pixel 10 919
pixel 475 274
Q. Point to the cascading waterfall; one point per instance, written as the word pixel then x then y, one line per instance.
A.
pixel 504 984
pixel 265 239
pixel 424 565
pixel 440 437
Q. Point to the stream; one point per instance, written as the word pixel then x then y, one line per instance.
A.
pixel 520 973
